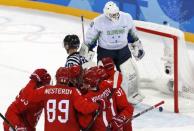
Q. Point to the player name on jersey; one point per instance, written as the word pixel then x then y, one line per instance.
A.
pixel 104 94
pixel 58 91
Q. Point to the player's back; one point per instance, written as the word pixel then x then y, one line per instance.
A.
pixel 59 109
pixel 104 92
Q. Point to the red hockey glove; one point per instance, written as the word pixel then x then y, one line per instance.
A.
pixel 117 122
pixel 41 76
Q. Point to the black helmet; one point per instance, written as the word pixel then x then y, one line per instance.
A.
pixel 71 41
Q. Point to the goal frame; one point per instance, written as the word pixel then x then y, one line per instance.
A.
pixel 175 47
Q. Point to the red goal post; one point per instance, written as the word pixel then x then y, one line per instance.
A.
pixel 175 46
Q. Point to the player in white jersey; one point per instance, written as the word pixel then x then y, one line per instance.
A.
pixel 115 33
pixel 71 44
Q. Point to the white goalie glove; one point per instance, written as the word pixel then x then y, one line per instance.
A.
pixel 136 49
pixel 85 52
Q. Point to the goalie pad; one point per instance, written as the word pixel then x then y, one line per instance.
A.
pixel 136 49
pixel 136 98
pixel 85 52
pixel 129 83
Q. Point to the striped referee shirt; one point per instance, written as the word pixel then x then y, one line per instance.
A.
pixel 75 59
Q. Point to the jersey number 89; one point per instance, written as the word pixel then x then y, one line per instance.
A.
pixel 62 106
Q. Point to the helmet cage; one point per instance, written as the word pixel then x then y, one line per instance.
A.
pixel 111 11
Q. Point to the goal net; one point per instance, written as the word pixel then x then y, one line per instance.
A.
pixel 166 69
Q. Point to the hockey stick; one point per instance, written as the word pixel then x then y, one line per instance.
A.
pixel 144 111
pixel 92 121
pixel 83 32
pixel 110 95
pixel 138 114
pixel 5 119
pixel 90 54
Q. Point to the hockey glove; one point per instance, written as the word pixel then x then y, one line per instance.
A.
pixel 86 52
pixel 136 49
pixel 117 122
pixel 41 76
pixel 22 128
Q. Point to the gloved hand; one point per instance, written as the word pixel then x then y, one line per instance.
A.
pixel 46 79
pixel 136 49
pixel 18 128
pixel 41 76
pixel 86 52
pixel 90 55
pixel 11 129
pixel 84 49
pixel 117 122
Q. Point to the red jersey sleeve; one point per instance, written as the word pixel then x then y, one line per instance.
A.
pixel 124 107
pixel 21 102
pixel 81 104
pixel 37 95
pixel 84 120
pixel 113 82
pixel 84 107
pixel 28 88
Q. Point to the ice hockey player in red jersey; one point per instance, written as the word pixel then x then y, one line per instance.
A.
pixel 117 110
pixel 22 114
pixel 116 76
pixel 62 102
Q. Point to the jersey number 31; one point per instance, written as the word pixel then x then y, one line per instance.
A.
pixel 53 106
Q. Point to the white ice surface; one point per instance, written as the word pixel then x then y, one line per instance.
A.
pixel 31 39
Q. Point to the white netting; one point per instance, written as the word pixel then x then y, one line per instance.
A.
pixel 159 51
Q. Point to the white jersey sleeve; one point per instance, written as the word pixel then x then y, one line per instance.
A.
pixel 132 34
pixel 110 35
pixel 92 34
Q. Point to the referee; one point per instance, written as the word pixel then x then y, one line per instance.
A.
pixel 71 44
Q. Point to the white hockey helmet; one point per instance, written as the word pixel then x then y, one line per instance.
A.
pixel 111 10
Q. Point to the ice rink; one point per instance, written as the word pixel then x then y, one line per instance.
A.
pixel 31 39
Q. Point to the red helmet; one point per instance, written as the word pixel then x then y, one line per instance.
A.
pixel 62 75
pixel 108 63
pixel 46 79
pixel 74 71
pixel 94 75
pixel 66 75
